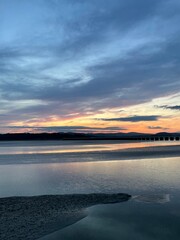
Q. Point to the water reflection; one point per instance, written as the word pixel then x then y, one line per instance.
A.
pixel 155 198
pixel 73 146
pixel 136 176
pixel 130 220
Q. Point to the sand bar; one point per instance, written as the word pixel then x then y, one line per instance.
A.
pixel 33 217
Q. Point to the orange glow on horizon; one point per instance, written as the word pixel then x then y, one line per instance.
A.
pixel 167 120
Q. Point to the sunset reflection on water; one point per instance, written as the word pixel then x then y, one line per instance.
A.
pixel 73 147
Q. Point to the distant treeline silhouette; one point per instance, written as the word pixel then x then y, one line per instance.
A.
pixel 90 136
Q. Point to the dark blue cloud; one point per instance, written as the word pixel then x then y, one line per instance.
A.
pixel 176 107
pixel 132 119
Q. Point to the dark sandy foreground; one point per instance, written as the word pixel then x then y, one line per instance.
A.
pixel 33 217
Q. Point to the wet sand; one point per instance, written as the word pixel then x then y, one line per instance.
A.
pixel 33 217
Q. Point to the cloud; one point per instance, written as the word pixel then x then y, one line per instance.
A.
pixel 157 127
pixel 133 119
pixel 64 128
pixel 85 56
pixel 175 107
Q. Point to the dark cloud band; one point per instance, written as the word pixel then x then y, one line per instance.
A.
pixel 133 119
pixel 176 107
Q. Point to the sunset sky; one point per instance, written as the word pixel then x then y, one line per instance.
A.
pixel 89 66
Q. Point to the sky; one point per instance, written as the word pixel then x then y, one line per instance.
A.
pixel 89 66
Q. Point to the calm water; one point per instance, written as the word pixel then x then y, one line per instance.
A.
pixel 129 220
pixel 41 147
pixel 126 221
